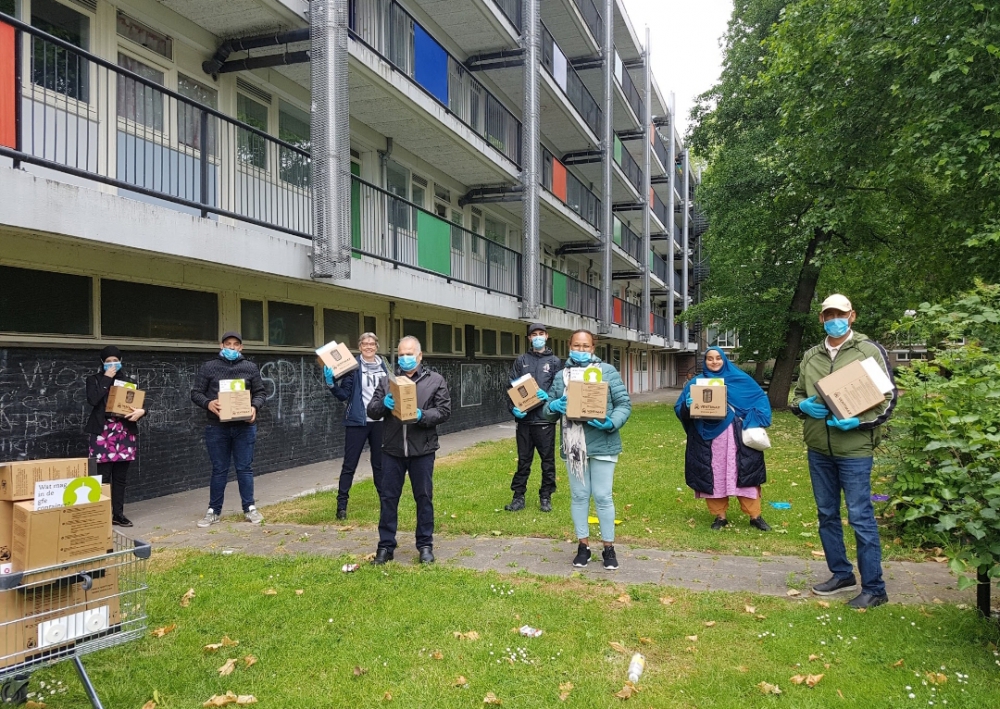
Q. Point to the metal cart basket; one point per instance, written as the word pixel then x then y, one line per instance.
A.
pixel 66 611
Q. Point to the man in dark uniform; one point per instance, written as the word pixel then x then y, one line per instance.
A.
pixel 533 431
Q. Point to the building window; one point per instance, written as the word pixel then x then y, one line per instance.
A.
pixel 290 324
pixel 496 230
pixel 144 36
pixel 442 193
pixel 252 148
pixel 45 303
pixel 477 341
pixel 252 320
pixel 55 68
pixel 459 340
pixel 158 312
pixel 417 329
pixel 294 128
pixel 189 117
pixel 517 343
pixel 489 342
pixel 7 7
pixel 341 326
pixel 507 343
pixel 137 101
pixel 370 324
pixel 442 338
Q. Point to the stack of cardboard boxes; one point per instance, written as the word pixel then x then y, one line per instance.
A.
pixel 53 513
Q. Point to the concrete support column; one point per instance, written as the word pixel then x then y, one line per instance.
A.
pixel 647 158
pixel 688 204
pixel 608 150
pixel 671 222
pixel 530 161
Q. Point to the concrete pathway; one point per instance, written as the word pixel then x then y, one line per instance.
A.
pixel 170 522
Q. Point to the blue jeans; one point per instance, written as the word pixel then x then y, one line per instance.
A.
pixel 598 478
pixel 829 476
pixel 230 443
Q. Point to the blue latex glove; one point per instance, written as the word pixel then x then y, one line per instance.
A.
pixel 689 401
pixel 389 403
pixel 844 424
pixel 542 395
pixel 605 425
pixel 328 375
pixel 558 405
pixel 811 407
pixel 518 414
pixel 420 413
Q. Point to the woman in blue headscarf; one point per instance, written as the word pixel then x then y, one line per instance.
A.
pixel 717 464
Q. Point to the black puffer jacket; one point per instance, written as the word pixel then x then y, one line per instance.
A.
pixel 98 387
pixel 750 468
pixel 406 440
pixel 206 385
pixel 543 366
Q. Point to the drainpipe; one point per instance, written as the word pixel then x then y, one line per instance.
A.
pixel 671 205
pixel 392 340
pixel 331 141
pixel 530 158
pixel 687 235
pixel 608 148
pixel 647 301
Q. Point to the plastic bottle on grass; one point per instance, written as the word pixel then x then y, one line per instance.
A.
pixel 635 667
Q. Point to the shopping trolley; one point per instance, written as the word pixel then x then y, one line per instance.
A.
pixel 66 611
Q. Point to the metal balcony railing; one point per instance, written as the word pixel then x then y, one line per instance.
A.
pixel 592 16
pixel 626 314
pixel 511 9
pixel 389 30
pixel 660 150
pixel 563 73
pixel 390 228
pixel 628 240
pixel 679 333
pixel 631 168
pixel 660 325
pixel 577 197
pixel 559 290
pixel 659 208
pixel 630 91
pixel 660 267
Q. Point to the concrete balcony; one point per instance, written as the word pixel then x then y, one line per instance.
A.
pixel 474 25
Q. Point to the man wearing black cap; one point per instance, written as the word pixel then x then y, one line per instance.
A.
pixel 533 430
pixel 230 441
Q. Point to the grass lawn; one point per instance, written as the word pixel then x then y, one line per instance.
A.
pixel 654 505
pixel 396 625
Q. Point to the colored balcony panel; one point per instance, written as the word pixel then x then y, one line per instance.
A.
pixel 559 180
pixel 618 317
pixel 430 68
pixel 559 289
pixel 8 88
pixel 433 243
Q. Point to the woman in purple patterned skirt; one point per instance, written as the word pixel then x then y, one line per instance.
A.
pixel 113 439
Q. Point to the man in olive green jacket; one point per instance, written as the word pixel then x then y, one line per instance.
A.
pixel 841 453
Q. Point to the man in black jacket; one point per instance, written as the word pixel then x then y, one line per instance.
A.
pixel 533 431
pixel 232 440
pixel 409 447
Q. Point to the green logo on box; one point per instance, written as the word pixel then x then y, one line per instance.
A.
pixel 81 490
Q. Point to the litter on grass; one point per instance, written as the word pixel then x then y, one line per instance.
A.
pixel 781 505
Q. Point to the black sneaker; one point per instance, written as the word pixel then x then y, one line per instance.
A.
pixel 426 555
pixel 582 555
pixel 121 521
pixel 341 513
pixel 610 560
pixel 516 505
pixel 836 585
pixel 719 523
pixel 760 524
pixel 382 556
pixel 867 600
pixel 545 504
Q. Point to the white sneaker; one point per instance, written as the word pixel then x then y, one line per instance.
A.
pixel 209 519
pixel 253 516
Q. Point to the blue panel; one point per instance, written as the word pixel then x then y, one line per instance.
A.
pixel 157 167
pixel 431 64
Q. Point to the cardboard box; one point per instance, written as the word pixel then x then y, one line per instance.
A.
pixel 234 403
pixel 123 399
pixel 854 389
pixel 586 400
pixel 60 534
pixel 708 402
pixel 404 394
pixel 17 479
pixel 6 537
pixel 523 393
pixel 338 358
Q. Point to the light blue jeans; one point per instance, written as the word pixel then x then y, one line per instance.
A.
pixel 598 477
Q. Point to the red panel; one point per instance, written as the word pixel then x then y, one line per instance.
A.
pixel 8 88
pixel 618 319
pixel 650 322
pixel 652 134
pixel 651 193
pixel 559 180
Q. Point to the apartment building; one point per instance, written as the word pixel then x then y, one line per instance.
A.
pixel 156 189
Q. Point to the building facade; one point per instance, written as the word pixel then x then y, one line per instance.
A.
pixel 156 173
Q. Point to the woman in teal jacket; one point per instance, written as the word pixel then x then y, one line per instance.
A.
pixel 590 448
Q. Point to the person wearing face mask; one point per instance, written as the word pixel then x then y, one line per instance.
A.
pixel 717 464
pixel 229 442
pixel 113 439
pixel 591 448
pixel 534 431
pixel 357 387
pixel 841 452
pixel 409 448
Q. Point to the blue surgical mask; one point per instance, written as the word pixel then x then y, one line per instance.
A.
pixel 579 357
pixel 538 343
pixel 112 365
pixel 231 355
pixel 837 327
pixel 407 362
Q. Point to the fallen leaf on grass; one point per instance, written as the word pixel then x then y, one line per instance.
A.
pixel 648 530
pixel 813 658
pixel 743 668
pixel 813 680
pixel 897 663
pixel 768 688
pixel 437 655
pixel 940 559
pixel 270 592
pixel 840 694
pixel 819 554
pixel 793 592
pixel 471 635
pixel 618 647
pixel 160 632
pixel 862 610
pixel 227 669
pixel 41 705
pixel 750 609
pixel 628 506
pixel 624 599
pixel 564 689
pixel 369 557
pixel 627 691
pixel 460 681
pixel 358 671
pixel 250 661
pixel 666 600
pixel 491 698
pixel 692 638
pixel 186 598
pixel 646 641
pixel 823 604
pixel 760 617
pixel 148 705
pixel 221 700
pixel 225 642
pixel 936 678
pixel 797 679
pixel 387 697
pixel 709 623
pixel 765 553
pixel 299 592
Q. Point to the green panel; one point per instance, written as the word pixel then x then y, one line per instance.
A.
pixel 559 289
pixel 618 151
pixel 355 210
pixel 433 243
pixel 617 236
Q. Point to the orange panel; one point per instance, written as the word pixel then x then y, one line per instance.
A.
pixel 8 88
pixel 618 319
pixel 558 179
pixel 651 193
pixel 650 322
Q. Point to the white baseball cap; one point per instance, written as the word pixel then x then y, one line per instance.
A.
pixel 836 302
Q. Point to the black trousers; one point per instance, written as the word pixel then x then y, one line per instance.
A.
pixel 540 437
pixel 116 474
pixel 355 438
pixel 421 469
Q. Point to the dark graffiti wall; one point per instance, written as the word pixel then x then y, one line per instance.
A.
pixel 43 409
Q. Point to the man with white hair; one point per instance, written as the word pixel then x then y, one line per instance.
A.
pixel 409 447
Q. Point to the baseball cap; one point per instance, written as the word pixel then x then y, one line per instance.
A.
pixel 836 302
pixel 537 326
pixel 231 333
